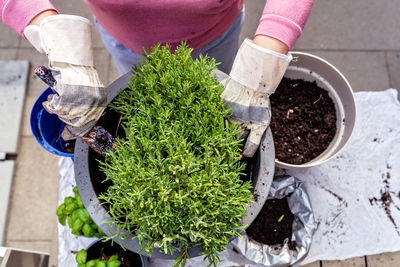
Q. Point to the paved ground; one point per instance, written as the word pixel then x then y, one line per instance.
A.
pixel 360 37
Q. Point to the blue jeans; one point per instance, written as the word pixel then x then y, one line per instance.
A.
pixel 223 48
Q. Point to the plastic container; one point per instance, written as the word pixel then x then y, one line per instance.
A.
pixel 312 68
pixel 47 128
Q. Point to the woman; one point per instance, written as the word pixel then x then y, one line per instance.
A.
pixel 208 26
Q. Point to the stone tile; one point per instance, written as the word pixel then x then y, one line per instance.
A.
pixel 25 124
pixel 313 264
pixel 393 59
pixel 13 80
pixel 53 261
pixel 25 44
pixel 35 193
pixel 35 85
pixel 8 53
pixel 113 72
pixel 353 262
pixel 357 24
pixel 384 260
pixel 74 7
pixel 102 62
pixel 9 38
pixel 365 71
pixel 40 246
pixel 96 38
pixel 7 171
pixel 78 7
pixel 253 11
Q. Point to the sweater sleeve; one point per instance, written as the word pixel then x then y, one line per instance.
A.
pixel 284 19
pixel 17 14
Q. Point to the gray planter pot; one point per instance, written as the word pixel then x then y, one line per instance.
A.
pixel 262 175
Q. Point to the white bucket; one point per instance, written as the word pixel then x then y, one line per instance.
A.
pixel 312 68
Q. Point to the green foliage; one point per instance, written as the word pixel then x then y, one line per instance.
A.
pixel 176 174
pixel 81 258
pixel 74 213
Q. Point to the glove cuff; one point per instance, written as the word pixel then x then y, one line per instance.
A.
pixel 259 68
pixel 64 38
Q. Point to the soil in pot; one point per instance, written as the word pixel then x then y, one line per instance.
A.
pixel 303 120
pixel 110 121
pixel 104 250
pixel 69 146
pixel 249 173
pixel 273 224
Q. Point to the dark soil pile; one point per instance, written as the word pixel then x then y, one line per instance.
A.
pixel 303 120
pixel 110 122
pixel 273 224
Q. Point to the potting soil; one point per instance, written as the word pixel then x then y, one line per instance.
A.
pixel 355 196
pixel 342 192
pixel 303 120
pixel 273 224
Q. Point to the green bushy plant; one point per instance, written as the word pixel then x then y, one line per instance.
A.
pixel 81 260
pixel 73 212
pixel 175 176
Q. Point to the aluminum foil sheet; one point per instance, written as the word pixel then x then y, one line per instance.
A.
pixel 303 227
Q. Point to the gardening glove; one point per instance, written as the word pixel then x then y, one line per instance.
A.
pixel 80 97
pixel 255 74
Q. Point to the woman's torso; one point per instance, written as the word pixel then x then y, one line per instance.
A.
pixel 142 23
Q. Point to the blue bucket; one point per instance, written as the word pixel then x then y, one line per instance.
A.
pixel 47 128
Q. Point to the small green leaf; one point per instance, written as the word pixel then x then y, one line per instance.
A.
pixel 79 202
pixel 87 230
pixel 84 215
pixel 81 256
pixel 71 207
pixel 113 257
pixel 101 264
pixel 91 263
pixel 62 219
pixel 114 263
pixel 77 225
pixel 61 210
pixel 70 221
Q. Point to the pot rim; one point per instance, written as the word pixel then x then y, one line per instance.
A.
pixel 37 124
pixel 103 220
pixel 340 139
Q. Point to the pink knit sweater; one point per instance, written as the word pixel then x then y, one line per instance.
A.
pixel 139 23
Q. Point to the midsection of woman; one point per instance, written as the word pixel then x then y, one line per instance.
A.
pixel 143 23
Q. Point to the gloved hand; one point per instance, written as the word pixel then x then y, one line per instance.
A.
pixel 81 97
pixel 255 74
